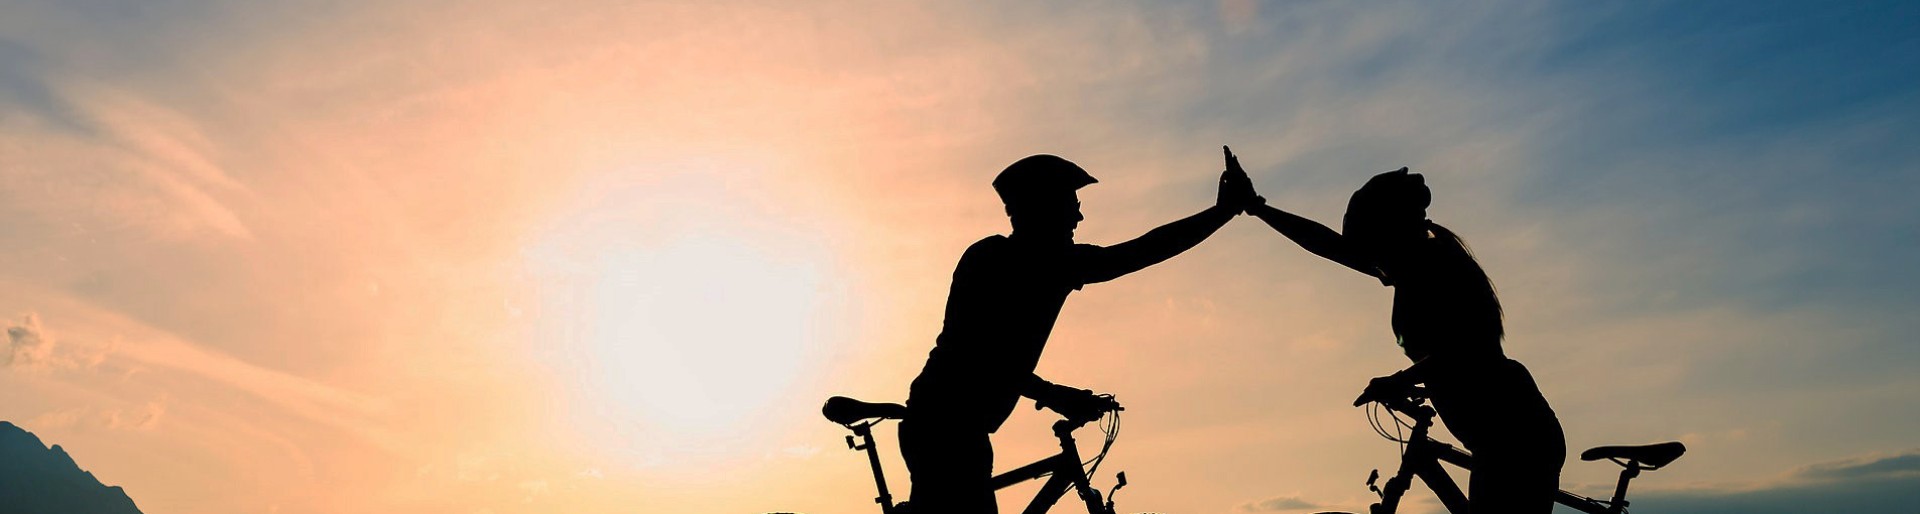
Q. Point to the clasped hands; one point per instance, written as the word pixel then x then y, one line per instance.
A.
pixel 1236 189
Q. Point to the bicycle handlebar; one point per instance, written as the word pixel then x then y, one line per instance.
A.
pixel 1086 413
pixel 1412 402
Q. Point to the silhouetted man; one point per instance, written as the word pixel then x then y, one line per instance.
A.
pixel 1007 291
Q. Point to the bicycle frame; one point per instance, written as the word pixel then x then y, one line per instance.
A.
pixel 1422 459
pixel 1063 468
pixel 1066 472
pixel 1424 454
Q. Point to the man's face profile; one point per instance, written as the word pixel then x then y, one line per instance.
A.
pixel 1050 216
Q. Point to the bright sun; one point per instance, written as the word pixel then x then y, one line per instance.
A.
pixel 696 336
pixel 673 333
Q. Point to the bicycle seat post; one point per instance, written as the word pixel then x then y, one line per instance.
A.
pixel 1619 503
pixel 865 432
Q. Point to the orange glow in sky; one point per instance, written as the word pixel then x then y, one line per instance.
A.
pixel 508 257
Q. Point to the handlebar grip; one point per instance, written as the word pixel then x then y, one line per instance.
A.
pixel 1082 410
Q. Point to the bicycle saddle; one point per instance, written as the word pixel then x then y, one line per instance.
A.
pixel 1653 456
pixel 846 411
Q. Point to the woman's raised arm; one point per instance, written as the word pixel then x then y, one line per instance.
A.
pixel 1314 237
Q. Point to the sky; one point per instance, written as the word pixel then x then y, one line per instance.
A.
pixel 581 256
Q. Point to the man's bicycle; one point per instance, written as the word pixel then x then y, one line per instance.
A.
pixel 1064 470
pixel 1421 457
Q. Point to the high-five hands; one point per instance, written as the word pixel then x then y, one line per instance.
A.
pixel 1236 189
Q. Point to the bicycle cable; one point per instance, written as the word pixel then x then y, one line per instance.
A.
pixel 1397 425
pixel 1110 425
pixel 1373 419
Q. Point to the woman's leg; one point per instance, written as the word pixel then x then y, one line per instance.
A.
pixel 1504 486
pixel 1519 448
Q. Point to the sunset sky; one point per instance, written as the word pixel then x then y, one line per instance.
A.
pixel 609 257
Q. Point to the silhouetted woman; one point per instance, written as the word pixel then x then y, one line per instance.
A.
pixel 1447 319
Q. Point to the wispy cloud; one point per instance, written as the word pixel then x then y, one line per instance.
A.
pixel 145 350
pixel 27 344
pixel 145 416
pixel 30 347
pixel 1872 483
pixel 1278 504
pixel 1904 464
pixel 152 167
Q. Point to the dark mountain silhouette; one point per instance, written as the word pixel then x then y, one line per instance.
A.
pixel 36 479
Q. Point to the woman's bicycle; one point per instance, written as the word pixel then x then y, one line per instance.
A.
pixel 1421 457
pixel 1065 469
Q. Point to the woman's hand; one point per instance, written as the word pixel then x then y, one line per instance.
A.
pixel 1397 385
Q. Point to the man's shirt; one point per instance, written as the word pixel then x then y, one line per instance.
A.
pixel 1005 298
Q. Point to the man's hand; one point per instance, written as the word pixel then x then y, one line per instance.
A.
pixel 1397 385
pixel 1236 189
pixel 1074 403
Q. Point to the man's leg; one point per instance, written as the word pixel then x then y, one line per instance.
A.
pixel 951 470
pixel 1506 487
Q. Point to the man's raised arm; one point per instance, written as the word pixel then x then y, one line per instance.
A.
pixel 1160 244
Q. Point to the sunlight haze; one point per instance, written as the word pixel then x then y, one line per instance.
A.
pixel 610 257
